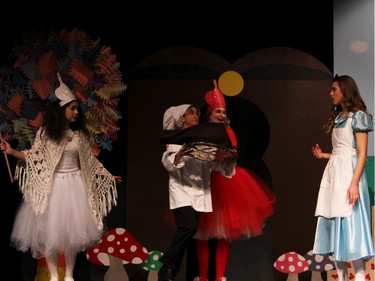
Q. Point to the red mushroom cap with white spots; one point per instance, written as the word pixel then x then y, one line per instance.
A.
pixel 291 263
pixel 118 243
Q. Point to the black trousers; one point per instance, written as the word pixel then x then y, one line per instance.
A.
pixel 186 223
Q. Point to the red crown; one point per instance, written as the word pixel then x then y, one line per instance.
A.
pixel 214 98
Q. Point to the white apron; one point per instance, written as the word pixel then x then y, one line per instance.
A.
pixel 332 198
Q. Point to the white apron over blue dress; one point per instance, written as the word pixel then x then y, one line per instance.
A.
pixel 342 229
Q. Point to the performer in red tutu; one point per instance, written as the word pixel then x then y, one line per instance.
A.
pixel 240 204
pixel 189 182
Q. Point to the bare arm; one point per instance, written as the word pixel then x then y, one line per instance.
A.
pixel 362 141
pixel 318 153
pixel 5 146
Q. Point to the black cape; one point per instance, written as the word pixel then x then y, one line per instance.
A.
pixel 214 133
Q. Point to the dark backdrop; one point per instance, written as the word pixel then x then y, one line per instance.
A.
pixel 136 29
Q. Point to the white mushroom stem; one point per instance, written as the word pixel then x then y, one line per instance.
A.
pixel 292 277
pixel 116 271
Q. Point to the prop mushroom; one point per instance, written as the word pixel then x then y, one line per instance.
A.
pixel 152 264
pixel 318 264
pixel 116 248
pixel 291 263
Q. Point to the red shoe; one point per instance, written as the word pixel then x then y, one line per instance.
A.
pixel 221 279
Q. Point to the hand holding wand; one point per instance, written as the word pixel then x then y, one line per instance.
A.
pixel 6 160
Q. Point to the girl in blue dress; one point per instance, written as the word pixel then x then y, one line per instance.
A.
pixel 343 206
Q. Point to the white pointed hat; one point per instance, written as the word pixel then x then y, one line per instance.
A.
pixel 63 93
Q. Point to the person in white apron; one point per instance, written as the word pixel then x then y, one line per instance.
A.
pixel 343 206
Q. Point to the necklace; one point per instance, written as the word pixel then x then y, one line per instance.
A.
pixel 68 135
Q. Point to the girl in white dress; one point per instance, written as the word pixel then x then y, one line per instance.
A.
pixel 66 190
pixel 343 207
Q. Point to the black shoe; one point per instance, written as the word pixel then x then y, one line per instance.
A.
pixel 165 274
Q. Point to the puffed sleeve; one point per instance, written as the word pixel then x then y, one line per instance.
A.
pixel 362 122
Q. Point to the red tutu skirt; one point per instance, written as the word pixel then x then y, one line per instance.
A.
pixel 241 205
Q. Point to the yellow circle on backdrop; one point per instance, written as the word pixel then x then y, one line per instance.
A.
pixel 231 83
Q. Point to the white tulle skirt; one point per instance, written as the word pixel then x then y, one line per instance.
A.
pixel 67 222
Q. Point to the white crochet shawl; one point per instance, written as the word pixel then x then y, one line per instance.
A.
pixel 35 175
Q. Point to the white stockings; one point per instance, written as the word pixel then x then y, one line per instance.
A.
pixel 359 269
pixel 70 260
pixel 52 263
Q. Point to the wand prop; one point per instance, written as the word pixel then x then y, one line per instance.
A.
pixel 6 160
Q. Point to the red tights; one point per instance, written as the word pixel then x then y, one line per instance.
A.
pixel 221 257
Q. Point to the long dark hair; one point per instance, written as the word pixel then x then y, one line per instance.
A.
pixel 54 118
pixel 352 100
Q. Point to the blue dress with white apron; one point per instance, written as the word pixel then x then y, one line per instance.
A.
pixel 342 229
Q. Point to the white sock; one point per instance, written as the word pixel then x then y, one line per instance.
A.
pixel 360 270
pixel 342 270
